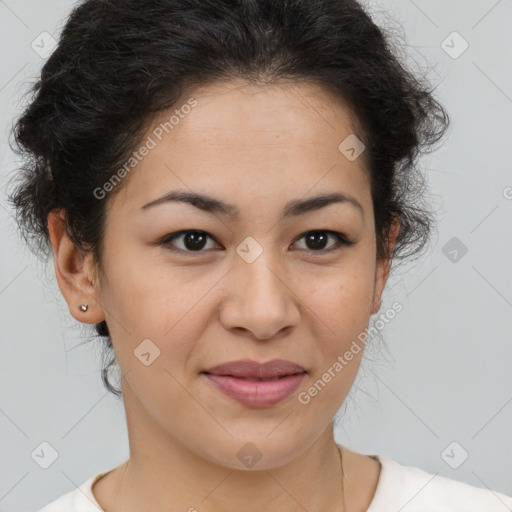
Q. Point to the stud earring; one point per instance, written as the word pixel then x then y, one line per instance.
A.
pixel 84 307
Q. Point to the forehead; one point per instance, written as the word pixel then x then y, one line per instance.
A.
pixel 298 109
pixel 244 140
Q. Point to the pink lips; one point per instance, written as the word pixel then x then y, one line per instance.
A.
pixel 257 384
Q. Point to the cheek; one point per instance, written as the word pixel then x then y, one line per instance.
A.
pixel 171 310
pixel 342 298
pixel 339 312
pixel 146 299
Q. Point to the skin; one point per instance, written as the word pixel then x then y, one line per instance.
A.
pixel 257 147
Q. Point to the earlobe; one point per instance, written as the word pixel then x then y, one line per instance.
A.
pixel 73 271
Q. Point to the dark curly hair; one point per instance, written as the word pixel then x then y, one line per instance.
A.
pixel 119 63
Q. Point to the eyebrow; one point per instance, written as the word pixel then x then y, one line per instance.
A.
pixel 291 209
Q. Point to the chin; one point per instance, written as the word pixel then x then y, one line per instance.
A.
pixel 255 453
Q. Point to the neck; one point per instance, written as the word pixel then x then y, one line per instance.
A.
pixel 163 474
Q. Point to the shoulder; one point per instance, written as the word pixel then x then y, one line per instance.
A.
pixel 411 489
pixel 80 499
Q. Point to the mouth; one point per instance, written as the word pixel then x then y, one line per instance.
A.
pixel 255 379
pixel 257 391
pixel 254 370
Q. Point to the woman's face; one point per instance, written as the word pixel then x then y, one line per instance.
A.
pixel 250 286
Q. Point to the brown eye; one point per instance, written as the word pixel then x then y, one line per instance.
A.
pixel 317 240
pixel 192 240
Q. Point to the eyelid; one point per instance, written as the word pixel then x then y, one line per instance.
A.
pixel 342 239
pixel 167 239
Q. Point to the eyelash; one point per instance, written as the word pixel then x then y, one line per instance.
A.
pixel 343 241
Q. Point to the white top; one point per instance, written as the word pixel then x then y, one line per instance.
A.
pixel 404 488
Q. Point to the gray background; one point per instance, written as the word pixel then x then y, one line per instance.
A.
pixel 447 375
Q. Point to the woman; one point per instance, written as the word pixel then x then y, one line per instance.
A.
pixel 224 186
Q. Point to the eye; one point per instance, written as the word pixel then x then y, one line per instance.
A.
pixel 193 240
pixel 318 238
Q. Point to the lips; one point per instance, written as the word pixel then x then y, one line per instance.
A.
pixel 252 370
pixel 256 384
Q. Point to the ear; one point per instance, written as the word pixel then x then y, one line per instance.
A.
pixel 383 267
pixel 74 271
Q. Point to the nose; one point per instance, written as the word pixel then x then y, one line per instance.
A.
pixel 260 298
